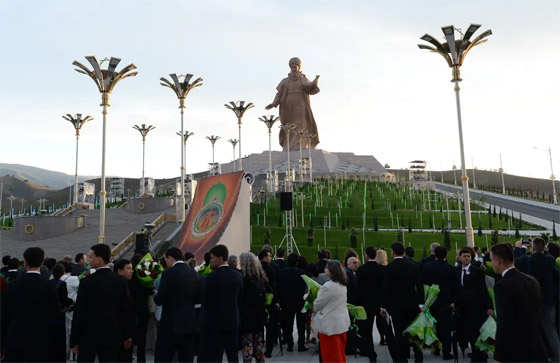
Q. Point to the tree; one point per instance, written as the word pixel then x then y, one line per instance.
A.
pixel 399 236
pixel 310 236
pixel 520 221
pixel 372 204
pixel 446 239
pixel 489 220
pixel 545 236
pixel 353 238
pixel 500 214
pixel 495 237
pixel 517 235
pixel 494 212
pixel 375 224
pixel 554 235
pixel 479 228
pixel 267 235
pixel 409 225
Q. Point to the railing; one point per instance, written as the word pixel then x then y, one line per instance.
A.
pixel 66 210
pixel 122 247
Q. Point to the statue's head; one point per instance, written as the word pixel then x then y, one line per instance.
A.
pixel 295 61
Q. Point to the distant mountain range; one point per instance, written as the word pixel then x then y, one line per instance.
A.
pixel 41 177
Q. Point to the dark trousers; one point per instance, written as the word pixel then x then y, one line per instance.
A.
pixel 166 346
pixel 443 327
pixel 139 339
pixel 104 353
pixel 57 345
pixel 214 343
pixel 470 322
pixel 288 314
pixel 25 355
pixel 124 355
pixel 366 331
pixel 398 345
pixel 272 328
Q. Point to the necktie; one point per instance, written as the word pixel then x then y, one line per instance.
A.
pixel 463 276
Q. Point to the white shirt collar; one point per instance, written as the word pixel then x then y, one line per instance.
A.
pixel 397 257
pixel 225 264
pixel 176 262
pixel 33 272
pixel 506 270
pixel 468 267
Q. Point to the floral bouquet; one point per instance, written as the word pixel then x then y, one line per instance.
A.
pixel 558 264
pixel 487 338
pixel 422 331
pixel 148 270
pixel 313 287
pixel 356 313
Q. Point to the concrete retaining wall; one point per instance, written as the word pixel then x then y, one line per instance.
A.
pixel 43 227
pixel 148 205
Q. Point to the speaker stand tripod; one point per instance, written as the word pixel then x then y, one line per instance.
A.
pixel 289 237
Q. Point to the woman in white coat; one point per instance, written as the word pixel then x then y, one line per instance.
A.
pixel 331 315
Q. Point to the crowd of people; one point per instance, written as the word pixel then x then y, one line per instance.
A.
pixel 91 306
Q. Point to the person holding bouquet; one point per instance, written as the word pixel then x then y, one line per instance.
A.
pixel 331 314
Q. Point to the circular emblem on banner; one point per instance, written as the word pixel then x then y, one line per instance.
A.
pixel 29 228
pixel 207 219
pixel 141 206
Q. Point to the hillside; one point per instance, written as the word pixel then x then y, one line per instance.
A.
pixel 42 177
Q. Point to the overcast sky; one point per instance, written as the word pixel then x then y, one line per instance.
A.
pixel 380 94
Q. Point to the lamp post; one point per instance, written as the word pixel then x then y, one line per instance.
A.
pixel 144 132
pixel 77 122
pixel 233 142
pixel 184 136
pixel 213 140
pixel 22 201
pixel 454 174
pixel 454 53
pixel 310 137
pixel 11 199
pixel 288 128
pixel 269 122
pixel 502 172
pixel 552 177
pixel 301 135
pixel 105 80
pixel 239 109
pixel 181 90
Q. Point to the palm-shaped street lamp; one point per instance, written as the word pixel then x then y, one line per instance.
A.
pixel 181 90
pixel 233 142
pixel 213 140
pixel 269 122
pixel 552 177
pixel 301 135
pixel 144 132
pixel 185 136
pixel 105 80
pixel 77 122
pixel 239 109
pixel 454 52
pixel 288 128
pixel 310 137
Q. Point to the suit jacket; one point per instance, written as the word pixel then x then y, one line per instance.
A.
pixel 414 262
pixel 222 297
pixel 103 314
pixel 352 287
pixel 426 260
pixel 519 336
pixel 28 304
pixel 370 285
pixel 291 288
pixel 281 263
pixel 178 293
pixel 541 267
pixel 441 273
pixel 402 287
pixel 331 314
pixel 473 295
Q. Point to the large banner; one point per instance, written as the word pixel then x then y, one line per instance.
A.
pixel 212 208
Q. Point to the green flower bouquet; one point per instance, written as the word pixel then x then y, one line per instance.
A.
pixel 148 270
pixel 422 331
pixel 313 287
pixel 485 342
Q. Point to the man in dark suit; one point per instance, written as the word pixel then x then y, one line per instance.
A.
pixel 291 288
pixel 103 315
pixel 403 299
pixel 431 257
pixel 370 288
pixel 279 261
pixel 80 266
pixel 272 323
pixel 441 273
pixel 28 304
pixel 472 301
pixel 5 261
pixel 542 268
pixel 519 336
pixel 352 263
pixel 409 256
pixel 220 307
pixel 177 294
pixel 322 263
